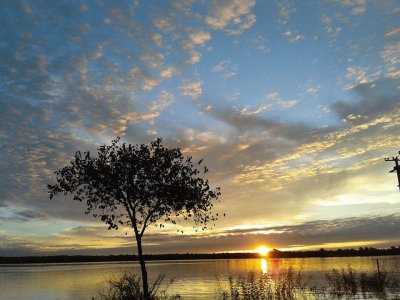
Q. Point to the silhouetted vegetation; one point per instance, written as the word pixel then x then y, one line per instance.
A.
pixel 286 285
pixel 362 251
pixel 128 287
pixel 347 283
pixel 366 251
pixel 137 186
pixel 290 284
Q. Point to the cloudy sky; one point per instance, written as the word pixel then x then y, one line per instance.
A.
pixel 292 104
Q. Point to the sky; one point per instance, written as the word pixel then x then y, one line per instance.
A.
pixel 292 104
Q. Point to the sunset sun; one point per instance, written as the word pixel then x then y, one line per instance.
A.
pixel 262 250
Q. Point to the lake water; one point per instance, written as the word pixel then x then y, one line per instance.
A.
pixel 194 279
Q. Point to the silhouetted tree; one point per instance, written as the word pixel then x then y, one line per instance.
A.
pixel 136 186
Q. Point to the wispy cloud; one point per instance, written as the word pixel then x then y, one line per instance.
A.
pixel 274 96
pixel 226 68
pixel 246 112
pixel 165 99
pixel 191 89
pixel 261 44
pixel 392 33
pixel 233 16
pixel 285 11
pixel 357 7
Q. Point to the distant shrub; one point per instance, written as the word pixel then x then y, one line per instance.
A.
pixel 128 287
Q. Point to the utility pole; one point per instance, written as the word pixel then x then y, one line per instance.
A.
pixel 396 167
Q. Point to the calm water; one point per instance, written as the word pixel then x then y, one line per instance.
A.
pixel 194 279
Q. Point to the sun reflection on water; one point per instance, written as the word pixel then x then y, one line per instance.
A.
pixel 264 266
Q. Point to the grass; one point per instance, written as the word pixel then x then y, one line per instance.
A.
pixel 349 284
pixel 292 285
pixel 129 287
pixel 288 284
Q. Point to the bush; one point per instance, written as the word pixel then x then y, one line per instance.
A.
pixel 129 287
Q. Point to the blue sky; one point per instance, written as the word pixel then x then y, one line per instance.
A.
pixel 292 104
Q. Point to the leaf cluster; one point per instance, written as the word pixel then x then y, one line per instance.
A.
pixel 138 185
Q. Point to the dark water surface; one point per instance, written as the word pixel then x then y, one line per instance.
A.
pixel 194 279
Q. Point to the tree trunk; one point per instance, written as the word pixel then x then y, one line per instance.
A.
pixel 143 269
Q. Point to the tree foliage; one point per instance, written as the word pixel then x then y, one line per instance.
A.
pixel 138 185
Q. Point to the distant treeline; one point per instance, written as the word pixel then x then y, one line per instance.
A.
pixel 362 251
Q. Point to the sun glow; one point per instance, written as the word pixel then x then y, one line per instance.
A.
pixel 263 250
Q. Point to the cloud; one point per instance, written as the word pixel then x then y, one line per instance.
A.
pixel 371 121
pixel 328 154
pixel 226 69
pixel 165 24
pixel 234 16
pixel 285 10
pixel 285 13
pixel 168 72
pixel 153 59
pixel 375 97
pixel 261 44
pixel 312 90
pixel 329 26
pixel 359 76
pixel 22 215
pixel 391 58
pixel 191 89
pixel 293 36
pixel 205 137
pixel 274 96
pixel 165 99
pixel 314 234
pixel 195 39
pixel 246 112
pixel 244 139
pixel 233 96
pixel 243 122
pixel 157 38
pixel 199 37
pixel 392 33
pixel 194 57
pixel 141 79
pixel 358 7
pixel 174 37
pixel 365 231
pixel 81 239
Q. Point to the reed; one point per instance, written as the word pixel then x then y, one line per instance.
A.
pixel 290 284
pixel 129 287
pixel 347 283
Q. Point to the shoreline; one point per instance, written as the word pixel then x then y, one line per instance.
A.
pixel 362 252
